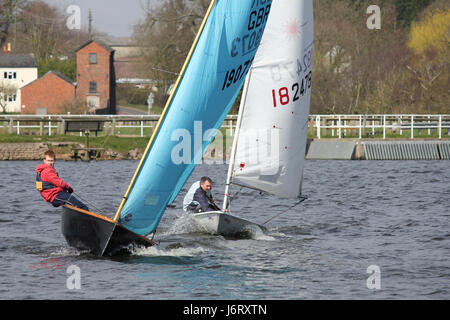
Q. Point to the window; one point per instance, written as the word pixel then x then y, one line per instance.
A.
pixel 92 86
pixel 10 75
pixel 11 98
pixel 92 58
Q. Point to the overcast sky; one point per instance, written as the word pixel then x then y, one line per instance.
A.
pixel 115 17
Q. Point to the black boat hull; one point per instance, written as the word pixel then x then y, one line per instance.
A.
pixel 98 234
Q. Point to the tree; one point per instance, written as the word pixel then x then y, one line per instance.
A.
pixel 43 29
pixel 353 65
pixel 7 90
pixel 8 15
pixel 35 26
pixel 431 34
pixel 407 10
pixel 429 67
pixel 65 66
pixel 167 34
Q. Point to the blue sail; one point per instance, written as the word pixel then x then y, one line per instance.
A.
pixel 211 81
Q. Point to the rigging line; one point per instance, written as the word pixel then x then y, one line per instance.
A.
pixel 232 198
pixel 279 214
pixel 86 170
pixel 89 203
pixel 89 165
pixel 166 71
pixel 253 200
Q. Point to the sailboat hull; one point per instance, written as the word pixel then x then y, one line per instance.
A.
pixel 227 225
pixel 100 235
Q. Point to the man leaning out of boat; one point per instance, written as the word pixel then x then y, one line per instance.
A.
pixel 199 197
pixel 53 189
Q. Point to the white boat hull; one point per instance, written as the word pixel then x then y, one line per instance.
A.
pixel 221 223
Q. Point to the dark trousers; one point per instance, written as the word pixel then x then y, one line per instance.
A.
pixel 64 197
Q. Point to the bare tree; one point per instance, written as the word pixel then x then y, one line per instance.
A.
pixel 355 68
pixel 43 29
pixel 7 91
pixel 75 106
pixel 166 34
pixel 8 16
pixel 429 68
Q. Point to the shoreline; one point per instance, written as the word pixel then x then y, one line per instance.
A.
pixel 35 150
pixel 20 151
pixel 323 149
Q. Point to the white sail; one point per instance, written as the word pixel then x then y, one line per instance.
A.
pixel 271 141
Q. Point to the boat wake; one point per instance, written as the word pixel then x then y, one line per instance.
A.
pixel 186 224
pixel 67 252
pixel 262 236
pixel 256 233
pixel 180 251
pixel 182 224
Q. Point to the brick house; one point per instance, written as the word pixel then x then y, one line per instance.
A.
pixel 48 95
pixel 96 79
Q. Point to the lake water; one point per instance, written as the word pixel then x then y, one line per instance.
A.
pixel 369 230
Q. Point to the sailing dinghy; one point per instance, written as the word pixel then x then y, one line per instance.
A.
pixel 268 151
pixel 204 92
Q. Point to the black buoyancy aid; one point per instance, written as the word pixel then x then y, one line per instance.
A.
pixel 43 185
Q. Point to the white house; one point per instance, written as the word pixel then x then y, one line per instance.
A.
pixel 16 70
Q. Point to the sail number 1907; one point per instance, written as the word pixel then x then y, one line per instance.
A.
pixel 235 74
pixel 284 95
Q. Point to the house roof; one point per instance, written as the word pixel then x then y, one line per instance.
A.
pixel 17 60
pixel 62 76
pixel 102 44
pixel 56 73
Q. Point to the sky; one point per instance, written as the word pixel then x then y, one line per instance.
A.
pixel 115 17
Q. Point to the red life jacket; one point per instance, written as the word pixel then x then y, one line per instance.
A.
pixel 52 184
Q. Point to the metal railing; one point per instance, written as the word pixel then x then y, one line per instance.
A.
pixel 320 126
pixel 113 124
pixel 380 125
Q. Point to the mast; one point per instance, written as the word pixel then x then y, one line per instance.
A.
pixel 163 114
pixel 235 140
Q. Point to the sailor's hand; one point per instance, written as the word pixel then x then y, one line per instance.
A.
pixel 70 190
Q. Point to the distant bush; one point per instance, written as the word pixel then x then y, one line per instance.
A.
pixel 67 67
pixel 129 94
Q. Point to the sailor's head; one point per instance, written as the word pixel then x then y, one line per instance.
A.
pixel 49 158
pixel 205 184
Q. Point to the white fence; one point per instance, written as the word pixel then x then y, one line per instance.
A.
pixel 397 125
pixel 320 126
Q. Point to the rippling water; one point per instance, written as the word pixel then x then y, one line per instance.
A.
pixel 390 214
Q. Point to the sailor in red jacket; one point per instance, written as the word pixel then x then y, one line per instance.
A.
pixel 52 188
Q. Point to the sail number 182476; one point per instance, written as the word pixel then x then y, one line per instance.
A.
pixel 283 95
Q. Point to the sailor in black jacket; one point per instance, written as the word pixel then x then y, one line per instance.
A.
pixel 203 198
